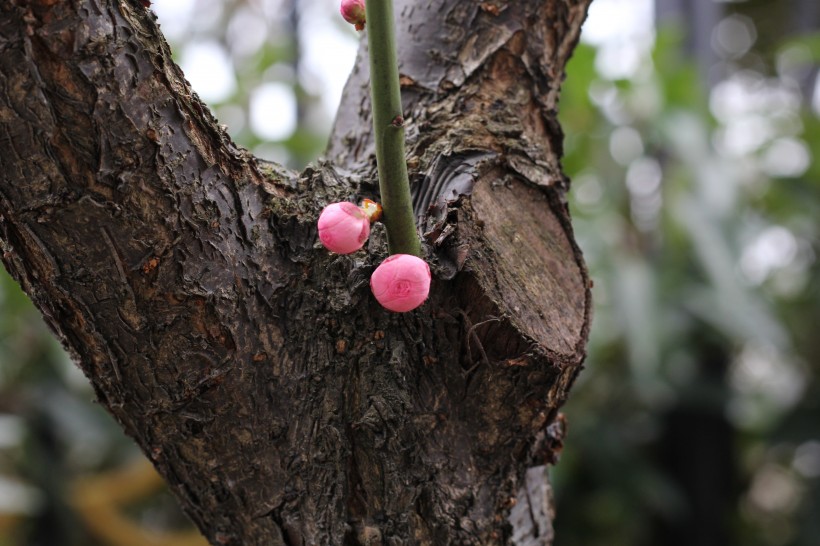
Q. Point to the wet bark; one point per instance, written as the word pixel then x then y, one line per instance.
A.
pixel 279 401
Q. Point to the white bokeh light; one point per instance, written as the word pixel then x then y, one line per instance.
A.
pixel 734 36
pixel 327 59
pixel 774 490
pixel 807 459
pixel 786 158
pixel 588 190
pixel 246 32
pixel 612 20
pixel 174 16
pixel 743 135
pixel 624 31
pixel 776 247
pixel 209 69
pixel 763 378
pixel 625 145
pixel 644 176
pixel 273 111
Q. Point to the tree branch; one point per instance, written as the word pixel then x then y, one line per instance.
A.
pixel 281 403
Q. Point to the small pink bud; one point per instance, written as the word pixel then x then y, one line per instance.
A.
pixel 353 12
pixel 343 227
pixel 401 283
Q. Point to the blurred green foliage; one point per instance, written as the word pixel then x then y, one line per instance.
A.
pixel 697 420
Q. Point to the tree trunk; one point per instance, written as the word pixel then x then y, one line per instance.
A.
pixel 282 404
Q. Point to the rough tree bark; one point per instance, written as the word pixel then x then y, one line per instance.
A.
pixel 280 402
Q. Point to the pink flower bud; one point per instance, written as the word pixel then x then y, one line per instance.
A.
pixel 353 12
pixel 401 283
pixel 343 227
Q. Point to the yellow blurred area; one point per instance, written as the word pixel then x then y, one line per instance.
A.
pixel 98 500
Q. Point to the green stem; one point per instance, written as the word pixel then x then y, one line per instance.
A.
pixel 388 127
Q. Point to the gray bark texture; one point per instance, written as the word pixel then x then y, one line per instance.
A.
pixel 281 403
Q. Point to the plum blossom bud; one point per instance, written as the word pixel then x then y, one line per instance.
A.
pixel 401 283
pixel 343 227
pixel 353 12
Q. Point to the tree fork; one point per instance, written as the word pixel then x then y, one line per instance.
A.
pixel 280 402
